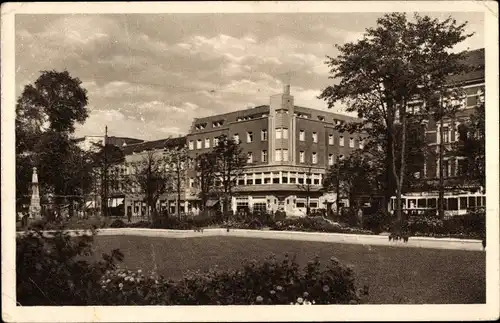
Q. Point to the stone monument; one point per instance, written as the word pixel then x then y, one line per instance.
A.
pixel 35 208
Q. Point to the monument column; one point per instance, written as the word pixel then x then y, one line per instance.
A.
pixel 35 209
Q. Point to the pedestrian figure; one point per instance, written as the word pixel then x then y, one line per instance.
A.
pixel 129 216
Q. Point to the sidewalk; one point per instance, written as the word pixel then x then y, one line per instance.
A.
pixel 414 242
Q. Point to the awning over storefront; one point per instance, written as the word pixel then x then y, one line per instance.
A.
pixel 211 203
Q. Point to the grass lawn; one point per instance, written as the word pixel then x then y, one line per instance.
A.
pixel 394 275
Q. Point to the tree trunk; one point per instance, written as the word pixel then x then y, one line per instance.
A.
pixel 441 177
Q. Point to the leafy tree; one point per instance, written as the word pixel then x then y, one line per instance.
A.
pixel 353 175
pixel 471 145
pixel 153 179
pixel 380 75
pixel 55 100
pixel 63 168
pixel 205 175
pixel 104 159
pixel 177 158
pixel 229 163
pixel 48 110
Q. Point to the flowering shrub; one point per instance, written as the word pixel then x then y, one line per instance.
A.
pixel 51 268
pixel 269 282
pixel 314 224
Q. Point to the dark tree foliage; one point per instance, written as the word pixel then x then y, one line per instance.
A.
pixel 472 146
pixel 353 175
pixel 46 113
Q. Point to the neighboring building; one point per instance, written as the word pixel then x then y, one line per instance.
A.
pixel 461 194
pixel 130 196
pixel 474 87
pixel 289 149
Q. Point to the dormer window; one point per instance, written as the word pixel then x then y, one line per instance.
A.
pixel 217 124
pixel 321 118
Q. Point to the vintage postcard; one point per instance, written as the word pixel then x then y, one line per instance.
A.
pixel 250 161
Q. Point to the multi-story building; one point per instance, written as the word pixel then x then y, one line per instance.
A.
pixel 460 192
pixel 473 85
pixel 289 149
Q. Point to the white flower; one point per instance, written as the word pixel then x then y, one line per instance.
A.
pixel 131 279
pixel 107 281
pixel 120 285
pixel 307 303
pixel 300 300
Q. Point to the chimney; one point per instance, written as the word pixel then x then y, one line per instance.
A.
pixel 286 89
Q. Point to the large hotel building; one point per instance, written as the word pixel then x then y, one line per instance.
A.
pixel 289 149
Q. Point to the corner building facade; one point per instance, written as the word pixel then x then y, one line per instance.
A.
pixel 289 150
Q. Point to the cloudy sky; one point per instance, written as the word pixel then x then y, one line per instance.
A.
pixel 149 75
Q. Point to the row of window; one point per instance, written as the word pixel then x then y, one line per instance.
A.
pixel 282 155
pixel 281 133
pixel 272 178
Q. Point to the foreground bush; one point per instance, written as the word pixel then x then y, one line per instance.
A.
pixel 51 270
pixel 269 282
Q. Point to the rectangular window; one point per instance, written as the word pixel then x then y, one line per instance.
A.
pixel 330 159
pixel 264 156
pixel 301 180
pixel 446 137
pixel 315 137
pixel 285 154
pixel 293 180
pixel 241 181
pixel 258 181
pixel 316 181
pixel 207 143
pixel 249 137
pixel 351 142
pixel 267 178
pixel 284 180
pixel 249 181
pixel 278 133
pixel 216 141
pixel 285 133
pixel 445 168
pixel 341 141
pixel 330 139
pixel 236 138
pixel 277 155
pixel 302 157
pixel 198 144
pixel 191 182
pixel 191 145
pixel 263 135
pixel 302 135
pixel 249 158
pixel 314 158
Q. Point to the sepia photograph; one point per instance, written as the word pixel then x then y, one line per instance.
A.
pixel 191 161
